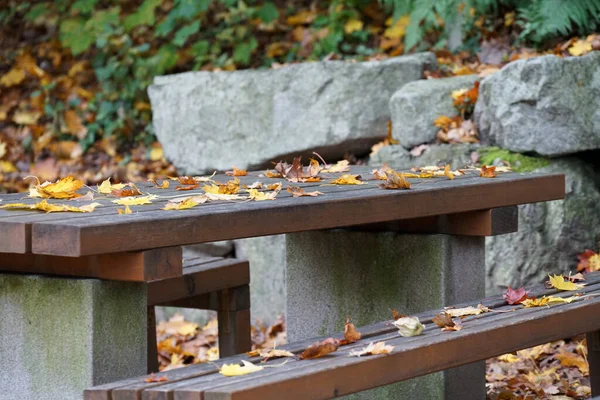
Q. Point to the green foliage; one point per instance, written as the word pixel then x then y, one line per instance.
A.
pixel 518 162
pixel 537 20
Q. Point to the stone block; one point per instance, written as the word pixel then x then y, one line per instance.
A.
pixel 250 118
pixel 335 274
pixel 415 107
pixel 59 336
pixel 397 157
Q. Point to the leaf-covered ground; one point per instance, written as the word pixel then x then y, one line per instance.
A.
pixel 557 370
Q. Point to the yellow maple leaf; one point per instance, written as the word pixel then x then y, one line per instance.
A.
pixel 188 329
pixel 64 188
pixel 256 195
pixel 509 358
pixel 348 179
pixel 186 203
pixel 580 47
pixel 353 25
pixel 47 207
pixel 546 301
pixel 237 369
pixel 573 360
pixel 135 201
pixel 7 167
pixel 13 77
pixel 448 173
pixel 559 282
pixel 106 187
pixel 126 210
pixel 397 30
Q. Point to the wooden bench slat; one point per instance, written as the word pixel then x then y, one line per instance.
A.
pixel 138 266
pixel 439 351
pixel 199 279
pixel 101 234
pixel 132 389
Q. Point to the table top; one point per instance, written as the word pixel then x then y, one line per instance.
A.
pixel 149 226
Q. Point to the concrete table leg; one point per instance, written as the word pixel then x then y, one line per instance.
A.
pixel 59 336
pixel 333 274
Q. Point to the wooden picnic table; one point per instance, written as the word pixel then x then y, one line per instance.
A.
pixel 145 245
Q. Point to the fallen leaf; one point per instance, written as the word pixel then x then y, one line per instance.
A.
pixel 26 117
pixel 237 369
pixel 186 203
pixel 13 77
pixel 274 186
pixel 509 358
pixel 47 207
pixel 236 172
pixel 270 174
pixel 546 301
pixel 487 172
pixel 190 187
pixel 348 179
pixel 445 321
pixel 163 185
pixel 185 180
pixel 106 187
pixel 353 25
pixel 395 181
pixel 558 282
pixel 126 210
pixel 256 195
pixel 126 191
pixel 465 311
pixel 568 359
pixel 372 349
pixel 516 296
pixel 319 349
pixel 350 333
pixel 74 125
pixel 135 201
pixel 231 187
pixel 409 326
pixel 297 191
pixel 448 173
pixel 580 47
pixel 153 378
pixel 255 185
pixel 7 167
pixel 275 353
pixel 396 315
pixel 64 188
pixel 589 261
pixel 219 196
pixel 340 166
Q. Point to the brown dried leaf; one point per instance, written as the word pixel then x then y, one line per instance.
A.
pixel 236 172
pixel 487 172
pixel 395 181
pixel 297 191
pixel 319 349
pixel 350 333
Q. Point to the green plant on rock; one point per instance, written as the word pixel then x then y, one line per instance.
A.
pixel 518 162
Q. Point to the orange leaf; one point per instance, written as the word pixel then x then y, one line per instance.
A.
pixel 153 378
pixel 132 191
pixel 448 173
pixel 186 180
pixel 319 349
pixel 191 187
pixel 297 191
pixel 445 321
pixel 395 181
pixel 74 125
pixel 350 333
pixel 237 172
pixel 487 172
pixel 589 261
pixel 163 185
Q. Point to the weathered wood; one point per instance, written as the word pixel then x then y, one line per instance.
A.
pixel 199 278
pixel 152 345
pixel 593 346
pixel 497 221
pixel 95 235
pixel 139 266
pixel 480 331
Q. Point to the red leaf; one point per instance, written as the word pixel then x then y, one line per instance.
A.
pixel 516 296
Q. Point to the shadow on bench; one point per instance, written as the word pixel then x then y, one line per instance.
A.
pixel 486 335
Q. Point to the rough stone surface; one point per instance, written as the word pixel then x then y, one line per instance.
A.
pixel 417 104
pixel 397 157
pixel 267 275
pixel 215 120
pixel 550 234
pixel 60 336
pixel 547 105
pixel 333 274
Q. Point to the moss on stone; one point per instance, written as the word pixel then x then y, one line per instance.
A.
pixel 518 162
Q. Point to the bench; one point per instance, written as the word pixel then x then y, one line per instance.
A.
pixel 219 284
pixel 104 260
pixel 505 329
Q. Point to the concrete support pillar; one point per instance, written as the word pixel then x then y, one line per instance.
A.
pixel 59 336
pixel 333 274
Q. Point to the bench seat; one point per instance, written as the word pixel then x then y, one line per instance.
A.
pixel 507 328
pixel 219 284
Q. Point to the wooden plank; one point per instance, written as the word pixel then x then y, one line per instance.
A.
pixel 434 353
pixel 140 266
pixel 593 346
pixel 134 387
pixel 96 235
pixel 199 279
pixel 497 221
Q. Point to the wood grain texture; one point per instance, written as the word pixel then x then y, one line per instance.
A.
pixel 95 235
pixel 497 221
pixel 524 328
pixel 139 266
